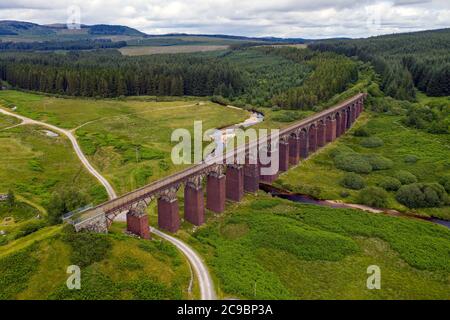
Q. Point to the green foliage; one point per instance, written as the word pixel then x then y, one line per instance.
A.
pixel 445 182
pixel 20 211
pixel 87 248
pixel 35 165
pixel 266 75
pixel 65 201
pixel 220 100
pixel 163 165
pixel 15 270
pixel 434 118
pixel 100 286
pixel 352 162
pixel 405 177
pixel 379 162
pixel 422 195
pixel 289 116
pixel 142 174
pixel 281 265
pixel 403 60
pixel 372 142
pixel 30 228
pixel 389 183
pixel 10 199
pixel 109 74
pixel 353 181
pixel 361 132
pixel 373 197
pixel 332 74
pixel 411 159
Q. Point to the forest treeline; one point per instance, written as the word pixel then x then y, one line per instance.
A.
pixel 83 44
pixel 331 74
pixel 404 61
pixel 237 76
pixel 107 73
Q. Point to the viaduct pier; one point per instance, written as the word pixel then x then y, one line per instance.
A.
pixel 224 181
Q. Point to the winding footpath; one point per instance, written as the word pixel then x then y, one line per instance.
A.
pixel 206 284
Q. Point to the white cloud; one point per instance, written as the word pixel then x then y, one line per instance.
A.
pixel 285 18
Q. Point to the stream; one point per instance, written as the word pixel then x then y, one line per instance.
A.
pixel 301 198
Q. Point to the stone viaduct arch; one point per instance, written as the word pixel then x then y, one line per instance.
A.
pixel 222 181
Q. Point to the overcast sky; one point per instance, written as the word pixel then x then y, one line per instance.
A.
pixel 282 18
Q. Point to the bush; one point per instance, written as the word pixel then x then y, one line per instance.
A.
pixel 353 181
pixel 445 182
pixel 411 159
pixel 389 184
pixel 352 162
pixel 361 132
pixel 87 248
pixel 341 150
pixel 422 195
pixel 405 177
pixel 373 197
pixel 30 228
pixel 220 100
pixel 379 162
pixel 372 142
pixel 64 201
pixel 344 194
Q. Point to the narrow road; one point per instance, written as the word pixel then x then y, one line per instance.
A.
pixel 204 279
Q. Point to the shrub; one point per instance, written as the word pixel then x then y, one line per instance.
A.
pixel 30 228
pixel 64 201
pixel 372 142
pixel 289 116
pixel 220 100
pixel 373 197
pixel 352 162
pixel 422 195
pixel 445 182
pixel 87 248
pixel 344 194
pixel 405 177
pixel 379 162
pixel 361 132
pixel 353 181
pixel 389 184
pixel 411 159
pixel 340 150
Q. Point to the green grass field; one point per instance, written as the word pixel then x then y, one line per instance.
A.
pixel 113 266
pixel 319 176
pixel 128 140
pixel 6 122
pixel 34 165
pixel 265 248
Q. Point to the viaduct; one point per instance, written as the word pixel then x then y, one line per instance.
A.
pixel 223 181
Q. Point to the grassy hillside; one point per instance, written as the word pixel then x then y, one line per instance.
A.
pixel 266 248
pixel 34 165
pixel 113 266
pixel 127 140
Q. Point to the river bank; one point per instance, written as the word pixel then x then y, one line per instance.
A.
pixel 302 198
